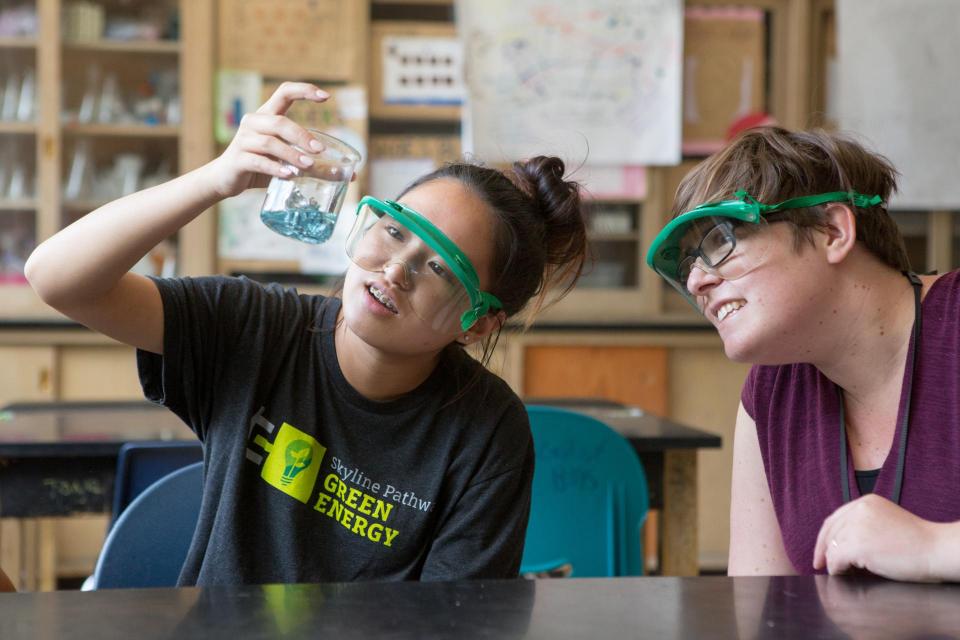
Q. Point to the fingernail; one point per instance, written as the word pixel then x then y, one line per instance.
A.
pixel 322 94
pixel 307 160
pixel 316 145
pixel 285 170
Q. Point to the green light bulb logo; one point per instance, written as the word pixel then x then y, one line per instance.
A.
pixel 298 456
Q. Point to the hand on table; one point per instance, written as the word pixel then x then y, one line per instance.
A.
pixel 874 534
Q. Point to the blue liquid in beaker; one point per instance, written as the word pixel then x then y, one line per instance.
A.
pixel 308 224
pixel 302 218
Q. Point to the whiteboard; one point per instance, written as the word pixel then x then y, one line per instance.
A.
pixel 595 80
pixel 898 89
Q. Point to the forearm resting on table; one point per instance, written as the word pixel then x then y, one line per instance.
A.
pixel 86 260
pixel 945 556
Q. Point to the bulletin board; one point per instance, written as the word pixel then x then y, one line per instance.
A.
pixel 899 90
pixel 293 39
pixel 724 66
pixel 417 71
pixel 597 79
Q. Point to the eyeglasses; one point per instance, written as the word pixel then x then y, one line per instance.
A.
pixel 440 283
pixel 714 248
pixel 721 223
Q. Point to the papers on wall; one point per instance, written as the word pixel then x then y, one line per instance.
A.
pixel 390 176
pixel 583 79
pixel 613 181
pixel 238 92
pixel 422 70
pixel 242 236
pixel 898 84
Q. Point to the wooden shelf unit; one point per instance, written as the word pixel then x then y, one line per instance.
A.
pixel 163 47
pixel 191 140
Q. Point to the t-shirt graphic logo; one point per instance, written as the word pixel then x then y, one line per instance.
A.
pixel 298 456
pixel 293 462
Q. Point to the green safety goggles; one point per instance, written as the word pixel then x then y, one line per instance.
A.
pixel 706 237
pixel 441 286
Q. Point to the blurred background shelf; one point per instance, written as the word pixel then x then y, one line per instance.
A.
pixel 163 47
pixel 122 130
pixel 17 127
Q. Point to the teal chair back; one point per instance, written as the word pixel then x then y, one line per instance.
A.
pixel 589 500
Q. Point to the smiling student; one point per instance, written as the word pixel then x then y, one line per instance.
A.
pixel 847 444
pixel 350 437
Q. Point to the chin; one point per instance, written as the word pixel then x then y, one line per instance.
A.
pixel 397 340
pixel 742 351
pixel 737 355
pixel 750 354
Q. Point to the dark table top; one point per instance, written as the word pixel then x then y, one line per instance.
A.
pixel 99 428
pixel 648 432
pixel 704 607
pixel 84 428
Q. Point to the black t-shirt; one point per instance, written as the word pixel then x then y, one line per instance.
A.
pixel 305 479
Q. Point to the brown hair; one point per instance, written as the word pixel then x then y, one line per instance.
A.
pixel 773 164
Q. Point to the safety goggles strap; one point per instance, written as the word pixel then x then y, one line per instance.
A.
pixel 854 198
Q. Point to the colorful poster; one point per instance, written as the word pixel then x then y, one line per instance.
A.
pixel 588 80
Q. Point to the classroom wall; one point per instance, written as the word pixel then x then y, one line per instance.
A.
pixel 704 392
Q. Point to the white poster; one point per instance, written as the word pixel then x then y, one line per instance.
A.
pixel 594 80
pixel 898 86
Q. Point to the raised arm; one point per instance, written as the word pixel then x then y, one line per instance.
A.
pixel 756 546
pixel 84 270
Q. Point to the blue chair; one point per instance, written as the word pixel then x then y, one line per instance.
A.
pixel 149 542
pixel 589 500
pixel 140 464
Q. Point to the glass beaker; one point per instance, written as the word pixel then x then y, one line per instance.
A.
pixel 305 206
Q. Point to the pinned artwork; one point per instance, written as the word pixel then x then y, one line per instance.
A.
pixel 595 80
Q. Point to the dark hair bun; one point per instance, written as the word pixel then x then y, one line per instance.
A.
pixel 558 200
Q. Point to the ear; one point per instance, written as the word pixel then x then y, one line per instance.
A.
pixel 840 234
pixel 483 327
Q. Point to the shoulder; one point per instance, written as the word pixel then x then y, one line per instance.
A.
pixel 775 389
pixel 944 288
pixel 485 386
pixel 492 406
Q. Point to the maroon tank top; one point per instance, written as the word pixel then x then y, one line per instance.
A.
pixel 797 413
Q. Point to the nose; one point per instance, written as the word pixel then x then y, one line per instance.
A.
pixel 396 274
pixel 700 280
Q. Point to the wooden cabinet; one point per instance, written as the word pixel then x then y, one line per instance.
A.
pixel 632 375
pixel 66 365
pixel 27 373
pixel 63 365
pixel 104 98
